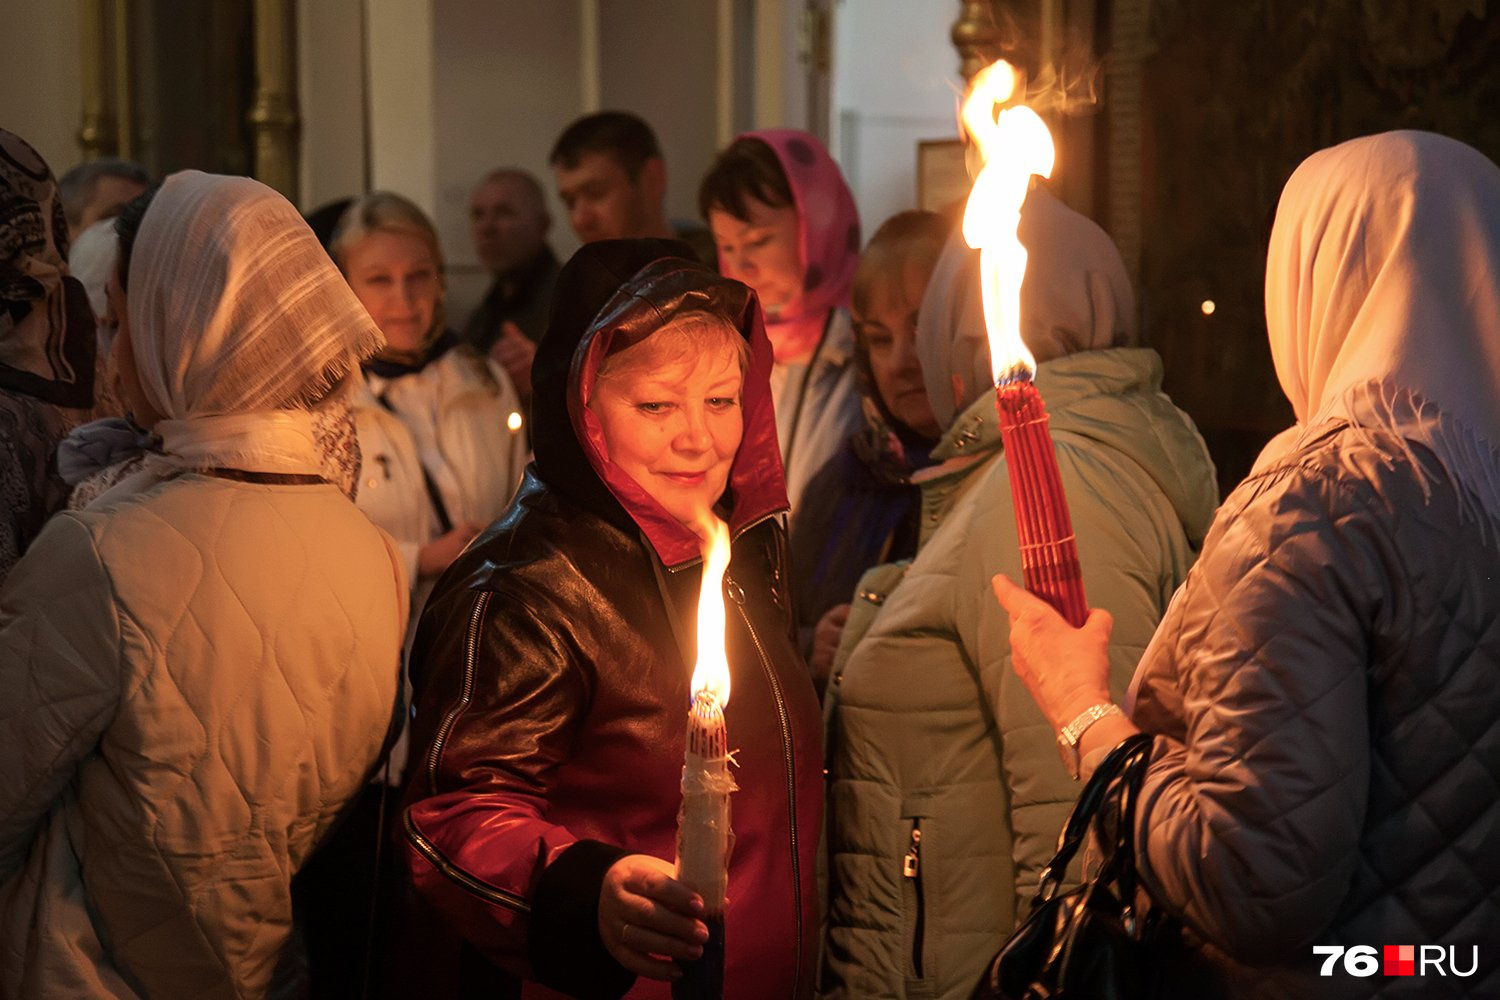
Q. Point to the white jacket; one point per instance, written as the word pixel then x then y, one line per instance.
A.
pixel 451 417
pixel 817 406
pixel 196 679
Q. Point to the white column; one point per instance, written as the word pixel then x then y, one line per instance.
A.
pixel 402 140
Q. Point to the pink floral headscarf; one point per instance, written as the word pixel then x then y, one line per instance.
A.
pixel 829 237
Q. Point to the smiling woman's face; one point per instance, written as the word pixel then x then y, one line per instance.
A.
pixel 673 423
pixel 399 282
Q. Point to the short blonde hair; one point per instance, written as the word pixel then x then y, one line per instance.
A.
pixel 383 211
pixel 681 338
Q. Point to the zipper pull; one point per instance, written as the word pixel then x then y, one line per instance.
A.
pixel 913 859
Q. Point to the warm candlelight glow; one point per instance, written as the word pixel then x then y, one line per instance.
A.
pixel 1208 307
pixel 1013 145
pixel 711 673
pixel 513 421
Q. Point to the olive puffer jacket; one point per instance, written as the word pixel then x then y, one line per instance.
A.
pixel 946 791
pixel 1326 699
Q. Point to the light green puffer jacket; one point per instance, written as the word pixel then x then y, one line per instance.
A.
pixel 946 791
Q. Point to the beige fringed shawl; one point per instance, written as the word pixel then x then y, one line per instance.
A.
pixel 1383 300
pixel 243 333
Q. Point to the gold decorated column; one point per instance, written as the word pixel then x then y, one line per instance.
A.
pixel 273 117
pixel 97 134
pixel 976 36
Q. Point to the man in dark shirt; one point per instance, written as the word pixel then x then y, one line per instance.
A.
pixel 613 179
pixel 510 222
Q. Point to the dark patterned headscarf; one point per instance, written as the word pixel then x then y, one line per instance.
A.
pixel 46 323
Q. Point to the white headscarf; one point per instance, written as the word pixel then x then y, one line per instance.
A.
pixel 1076 297
pixel 92 260
pixel 240 326
pixel 1383 298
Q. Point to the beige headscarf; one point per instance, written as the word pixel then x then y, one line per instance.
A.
pixel 1383 298
pixel 1076 297
pixel 242 329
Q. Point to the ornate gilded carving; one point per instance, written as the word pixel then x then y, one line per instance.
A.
pixel 976 36
pixel 1235 96
pixel 1127 52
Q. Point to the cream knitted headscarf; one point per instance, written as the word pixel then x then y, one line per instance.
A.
pixel 241 327
pixel 1383 299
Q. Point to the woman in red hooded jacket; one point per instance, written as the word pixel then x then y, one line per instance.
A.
pixel 553 661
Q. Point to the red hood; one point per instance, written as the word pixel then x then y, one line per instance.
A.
pixel 655 292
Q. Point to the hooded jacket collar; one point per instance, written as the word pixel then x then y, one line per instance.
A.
pixel 629 288
pixel 1112 399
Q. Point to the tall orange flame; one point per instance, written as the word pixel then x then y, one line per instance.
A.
pixel 711 672
pixel 1014 145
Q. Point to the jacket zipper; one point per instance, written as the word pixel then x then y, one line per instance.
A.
pixel 737 594
pixel 911 868
pixel 483 890
pixel 465 694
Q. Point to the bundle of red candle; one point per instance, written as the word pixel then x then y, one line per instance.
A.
pixel 1016 145
pixel 1049 555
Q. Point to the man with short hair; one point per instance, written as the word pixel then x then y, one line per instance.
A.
pixel 613 179
pixel 509 220
pixel 99 189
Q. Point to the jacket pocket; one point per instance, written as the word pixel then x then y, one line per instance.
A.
pixel 918 903
pixel 911 872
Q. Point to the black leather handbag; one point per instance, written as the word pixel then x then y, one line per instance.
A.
pixel 1090 943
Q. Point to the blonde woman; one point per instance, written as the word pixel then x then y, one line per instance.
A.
pixel 439 426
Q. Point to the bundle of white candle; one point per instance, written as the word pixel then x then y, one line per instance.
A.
pixel 704 837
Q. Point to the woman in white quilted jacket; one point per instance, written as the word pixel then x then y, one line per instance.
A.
pixel 439 426
pixel 1323 690
pixel 200 666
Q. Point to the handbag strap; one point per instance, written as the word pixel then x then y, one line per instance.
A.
pixel 1121 772
pixel 1114 828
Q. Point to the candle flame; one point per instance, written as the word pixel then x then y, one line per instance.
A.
pixel 711 673
pixel 513 421
pixel 1013 145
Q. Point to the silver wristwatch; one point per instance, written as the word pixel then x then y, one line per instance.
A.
pixel 1067 739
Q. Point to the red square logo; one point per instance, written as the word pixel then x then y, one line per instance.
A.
pixel 1400 960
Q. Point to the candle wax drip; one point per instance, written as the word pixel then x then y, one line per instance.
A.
pixel 705 838
pixel 1049 553
pixel 707 736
